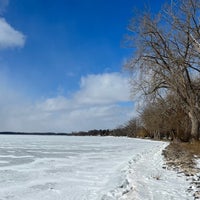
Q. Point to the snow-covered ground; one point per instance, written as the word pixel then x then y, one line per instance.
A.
pixel 85 168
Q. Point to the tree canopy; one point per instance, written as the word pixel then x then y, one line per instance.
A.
pixel 166 59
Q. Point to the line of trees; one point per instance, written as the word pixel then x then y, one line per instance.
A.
pixel 165 67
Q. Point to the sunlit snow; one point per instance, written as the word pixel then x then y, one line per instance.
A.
pixel 85 168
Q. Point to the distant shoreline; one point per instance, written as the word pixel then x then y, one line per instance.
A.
pixel 81 133
pixel 36 133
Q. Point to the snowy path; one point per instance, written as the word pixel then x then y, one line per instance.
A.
pixel 146 179
pixel 85 168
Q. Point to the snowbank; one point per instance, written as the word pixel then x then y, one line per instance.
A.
pixel 146 178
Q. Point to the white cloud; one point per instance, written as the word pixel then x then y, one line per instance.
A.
pixel 9 37
pixel 96 105
pixel 103 88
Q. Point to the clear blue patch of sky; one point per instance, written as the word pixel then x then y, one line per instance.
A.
pixel 67 39
pixel 125 104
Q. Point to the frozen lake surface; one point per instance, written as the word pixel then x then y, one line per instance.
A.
pixel 84 168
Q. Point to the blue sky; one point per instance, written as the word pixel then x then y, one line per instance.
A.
pixel 61 61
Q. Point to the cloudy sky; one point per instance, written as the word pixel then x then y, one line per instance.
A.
pixel 60 64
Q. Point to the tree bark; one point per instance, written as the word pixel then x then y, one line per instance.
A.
pixel 195 126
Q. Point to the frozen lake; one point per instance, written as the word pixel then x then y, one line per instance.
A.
pixel 65 168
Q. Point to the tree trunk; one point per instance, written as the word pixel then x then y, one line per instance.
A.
pixel 195 126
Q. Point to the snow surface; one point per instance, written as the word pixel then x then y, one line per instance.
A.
pixel 85 168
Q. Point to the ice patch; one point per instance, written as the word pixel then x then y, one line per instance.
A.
pixel 85 168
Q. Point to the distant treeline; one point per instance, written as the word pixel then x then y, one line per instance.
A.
pixel 104 132
pixel 32 133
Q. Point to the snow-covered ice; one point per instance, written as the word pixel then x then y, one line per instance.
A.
pixel 85 168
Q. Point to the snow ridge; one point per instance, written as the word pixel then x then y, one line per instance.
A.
pixel 145 178
pixel 121 192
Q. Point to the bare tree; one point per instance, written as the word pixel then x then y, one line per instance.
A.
pixel 167 55
pixel 132 126
pixel 165 118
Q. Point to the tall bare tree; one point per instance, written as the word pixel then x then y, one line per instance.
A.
pixel 167 55
pixel 165 118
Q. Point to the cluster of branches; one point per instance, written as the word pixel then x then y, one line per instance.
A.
pixel 159 119
pixel 165 118
pixel 166 60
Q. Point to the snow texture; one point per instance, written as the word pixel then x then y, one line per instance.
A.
pixel 86 168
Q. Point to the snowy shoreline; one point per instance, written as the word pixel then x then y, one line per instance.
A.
pixel 146 178
pixel 86 168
